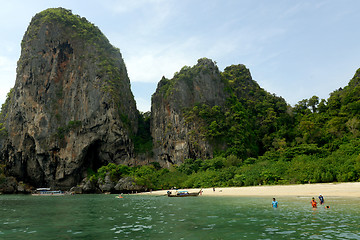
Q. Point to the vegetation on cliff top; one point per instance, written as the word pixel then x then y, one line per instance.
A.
pixel 79 27
pixel 187 74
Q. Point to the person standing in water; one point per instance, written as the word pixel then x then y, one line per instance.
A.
pixel 321 199
pixel 313 203
pixel 274 203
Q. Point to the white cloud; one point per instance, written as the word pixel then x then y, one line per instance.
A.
pixel 150 63
pixel 150 68
pixel 125 6
pixel 141 18
pixel 122 7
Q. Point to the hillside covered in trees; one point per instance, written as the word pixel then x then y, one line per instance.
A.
pixel 260 139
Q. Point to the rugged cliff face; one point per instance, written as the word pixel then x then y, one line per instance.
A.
pixel 174 138
pixel 71 108
pixel 202 111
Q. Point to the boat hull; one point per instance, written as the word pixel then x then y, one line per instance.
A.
pixel 184 195
pixel 42 194
pixel 47 192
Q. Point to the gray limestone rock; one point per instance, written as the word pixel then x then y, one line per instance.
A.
pixel 76 190
pixel 89 187
pixel 127 184
pixel 71 108
pixel 8 185
pixel 174 138
pixel 106 185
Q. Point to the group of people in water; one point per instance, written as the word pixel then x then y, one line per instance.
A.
pixel 313 202
pixel 321 200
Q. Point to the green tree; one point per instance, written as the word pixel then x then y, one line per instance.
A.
pixel 313 102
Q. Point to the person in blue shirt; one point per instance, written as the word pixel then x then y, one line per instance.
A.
pixel 321 199
pixel 274 203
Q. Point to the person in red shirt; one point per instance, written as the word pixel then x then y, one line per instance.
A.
pixel 313 203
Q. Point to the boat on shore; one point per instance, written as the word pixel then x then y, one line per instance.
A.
pixel 47 192
pixel 183 194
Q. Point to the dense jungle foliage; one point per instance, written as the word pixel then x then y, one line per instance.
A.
pixel 143 140
pixel 303 164
pixel 266 141
pixel 250 121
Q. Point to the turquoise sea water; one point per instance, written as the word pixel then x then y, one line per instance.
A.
pixel 160 217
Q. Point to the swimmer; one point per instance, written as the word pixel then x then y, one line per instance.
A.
pixel 274 203
pixel 321 199
pixel 313 203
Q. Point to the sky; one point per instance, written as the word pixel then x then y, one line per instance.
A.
pixel 293 48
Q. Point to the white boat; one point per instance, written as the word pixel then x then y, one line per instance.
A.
pixel 47 192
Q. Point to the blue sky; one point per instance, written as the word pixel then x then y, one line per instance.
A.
pixel 294 49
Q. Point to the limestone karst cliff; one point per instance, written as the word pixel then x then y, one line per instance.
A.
pixel 174 138
pixel 71 108
pixel 202 111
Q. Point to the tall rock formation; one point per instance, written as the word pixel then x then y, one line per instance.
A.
pixel 174 138
pixel 202 111
pixel 71 108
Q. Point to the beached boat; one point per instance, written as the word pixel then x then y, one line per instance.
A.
pixel 183 194
pixel 47 192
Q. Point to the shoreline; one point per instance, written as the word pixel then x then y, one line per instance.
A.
pixel 348 189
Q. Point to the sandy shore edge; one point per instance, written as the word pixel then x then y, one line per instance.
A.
pixel 307 190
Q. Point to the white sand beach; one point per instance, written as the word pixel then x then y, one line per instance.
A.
pixel 310 190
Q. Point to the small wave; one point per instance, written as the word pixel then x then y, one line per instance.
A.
pixel 286 232
pixel 292 224
pixel 349 235
pixel 149 218
pixel 11 222
pixel 135 228
pixel 329 231
pixel 271 229
pixel 127 226
pixel 209 227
